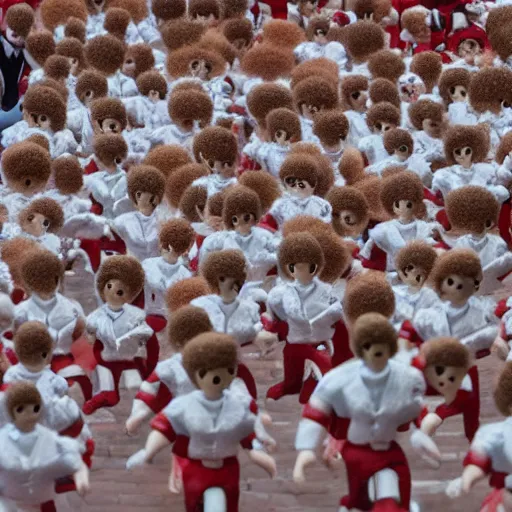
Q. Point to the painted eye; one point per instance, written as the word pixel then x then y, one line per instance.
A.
pixel 222 279
pixel 367 346
pixel 37 408
pixel 459 287
pixel 30 218
pixel 120 293
pixel 463 93
pixel 402 149
pixel 19 409
pixel 355 95
pixel 46 223
pixel 43 118
pixel 247 217
pixel 291 267
pixel 117 160
pixel 409 268
pixel 216 380
pixel 418 278
pixel 88 94
pixel 208 67
pixel 43 355
pixel 506 104
pixel 439 370
pixel 452 90
pixel 450 281
pixel 129 61
pixel 409 204
pixel 488 223
pixel 397 204
pixel 458 152
pixel 109 286
pixel 112 126
pixel 468 151
pixel 195 64
pixel 312 268
pixel 138 194
pixel 234 219
pixel 477 282
pixel 451 379
pixel 378 126
pixel 301 185
pixel 386 128
pixel 211 163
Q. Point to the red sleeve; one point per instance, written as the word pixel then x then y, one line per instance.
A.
pixel 408 332
pixel 436 198
pixel 317 416
pixel 246 443
pixel 253 407
pixel 163 425
pixel 377 259
pixel 96 207
pixel 268 222
pixel 456 407
pixel 155 402
pixel 419 419
pixel 476 459
pixel 91 167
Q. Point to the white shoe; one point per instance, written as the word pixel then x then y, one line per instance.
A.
pixel 137 459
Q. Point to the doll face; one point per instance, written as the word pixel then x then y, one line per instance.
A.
pixel 320 36
pixel 376 356
pixel 15 39
pixel 463 156
pixel 26 416
pixel 36 224
pixel 358 101
pixel 299 188
pixel 40 364
pixel 458 289
pixel 224 169
pixel 432 128
pixel 243 223
pixel 411 90
pixel 412 276
pixel 229 289
pixel 169 255
pixel 146 202
pixel 281 138
pixel 404 210
pixel 402 153
pixel 116 293
pixel 382 127
pixel 87 98
pixel 214 382
pixel 350 224
pixel 74 63
pixel 303 272
pixel 469 49
pixel 309 111
pixel 458 93
pixel 154 96
pixel 307 9
pixel 29 186
pixel 41 121
pixel 201 69
pixel 129 67
pixel 110 125
pixel 97 5
pixel 446 380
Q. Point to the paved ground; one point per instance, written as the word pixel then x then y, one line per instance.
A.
pixel 116 490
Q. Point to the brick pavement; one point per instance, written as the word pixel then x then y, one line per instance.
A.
pixel 116 490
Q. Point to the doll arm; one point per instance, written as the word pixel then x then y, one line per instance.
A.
pixel 81 479
pixel 481 341
pixel 504 172
pixel 6 284
pixel 264 461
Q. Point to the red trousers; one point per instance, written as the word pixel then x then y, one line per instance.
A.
pixel 61 361
pixel 362 462
pixel 197 479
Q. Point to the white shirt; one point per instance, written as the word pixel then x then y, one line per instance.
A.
pixel 140 234
pixel 289 206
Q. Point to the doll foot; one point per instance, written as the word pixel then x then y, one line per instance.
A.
pixel 104 399
pixel 137 459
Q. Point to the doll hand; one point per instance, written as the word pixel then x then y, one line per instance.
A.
pixel 137 459
pixel 332 452
pixel 265 341
pixel 430 424
pixel 265 461
pixel 304 459
pixel 133 424
pixel 501 348
pixel 426 448
pixel 81 478
pixel 454 488
pixel 264 420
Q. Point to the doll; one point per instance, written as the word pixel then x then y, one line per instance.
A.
pixel 73 51
pixel 39 45
pixel 284 129
pixel 106 55
pixel 332 129
pixel 428 66
pixel 266 186
pixel 422 29
pixel 361 40
pixel 427 118
pixel 466 149
pixel 207 358
pixel 414 263
pixel 399 145
pixel 466 46
pixel 175 238
pixel 354 96
pixel 29 481
pixel 386 64
pixel 411 88
pixel 348 393
pixel 402 197
pixel 380 118
pixel 217 150
pixel 183 292
pixel 181 32
pixel 6 323
pixel 42 272
pixel 26 168
pixel 382 90
pixel 319 66
pixel 119 331
pixel 108 115
pixel 310 96
pixel 55 15
pixel 205 11
pixel 241 213
pixel 239 32
pixel 309 309
pixel 14 68
pixel 116 22
pixel 139 229
pixel 58 68
pixel 168 159
pixel 138 59
pixel 75 27
pixel 453 89
pixel 189 111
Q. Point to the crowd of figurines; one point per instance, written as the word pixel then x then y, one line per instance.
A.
pixel 336 181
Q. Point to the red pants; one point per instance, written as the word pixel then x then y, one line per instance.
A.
pixel 93 248
pixel 341 344
pixel 61 361
pixel 197 479
pixel 362 462
pixel 156 322
pixel 245 374
pixel 294 358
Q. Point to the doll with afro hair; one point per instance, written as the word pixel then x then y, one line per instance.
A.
pixel 332 129
pixel 354 97
pixel 454 90
pixel 40 45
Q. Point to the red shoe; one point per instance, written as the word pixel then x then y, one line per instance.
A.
pixel 102 399
pixel 276 392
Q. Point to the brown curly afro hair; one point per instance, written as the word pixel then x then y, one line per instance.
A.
pixel 403 186
pixel 22 394
pixel 13 252
pixel 398 139
pixel 72 48
pixel 268 61
pixel 383 112
pixel 185 324
pixel 144 178
pixel 417 253
pixel 215 204
pixel 362 39
pixel 110 149
pixel 282 33
pixel 67 174
pixel 190 105
pixel 41 272
pixel 234 9
pixel 428 66
pixel 215 40
pixel 317 24
pixel 20 18
pixel 48 208
pixel 305 224
pixel 228 263
pixel 348 199
pixel 240 200
pixel 180 33
pixel 414 20
pixel 239 32
pixel 284 120
pixel 40 140
pixel 351 87
pixel 386 64
pixel 142 55
pixel 116 22
pixel 185 291
pixel 504 148
pixel 503 389
pixel 488 89
pixel 325 175
pixel 57 67
pixel 264 98
pixel 166 10
pixel 180 180
pixel 178 234
pixel 461 136
pixel 109 108
pixel 105 54
pixel 301 167
pixel 382 90
pixel 126 269
pixel 215 143
pixel 40 45
pixel 91 85
pixel 425 109
pixel 180 62
pixel 317 92
pixel 368 293
pixel 137 9
pixel 451 78
pixel 445 352
pixel 377 9
pixel 32 343
pixel 351 166
pixel 331 126
pixel 300 248
pixel 57 12
pixel 204 8
pixel 167 158
pixel 44 101
pixel 152 81
pixel 193 201
pixel 472 209
pixel 320 67
pixel 264 184
pixel 373 329
pixel 76 29
pixel 24 165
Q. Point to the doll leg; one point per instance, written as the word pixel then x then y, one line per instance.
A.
pixel 471 415
pixel 340 342
pixel 152 354
pixel 214 500
pixel 93 250
pixel 384 491
pixel 321 362
pixel 106 378
pixel 65 366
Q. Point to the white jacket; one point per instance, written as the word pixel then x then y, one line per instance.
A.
pixel 214 183
pixel 121 85
pixel 271 155
pixel 431 149
pixel 407 303
pixel 140 234
pixel 289 206
pixel 147 113
pixel 107 188
pixel 372 146
pixel 358 128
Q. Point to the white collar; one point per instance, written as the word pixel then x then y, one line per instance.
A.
pixel 9 49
